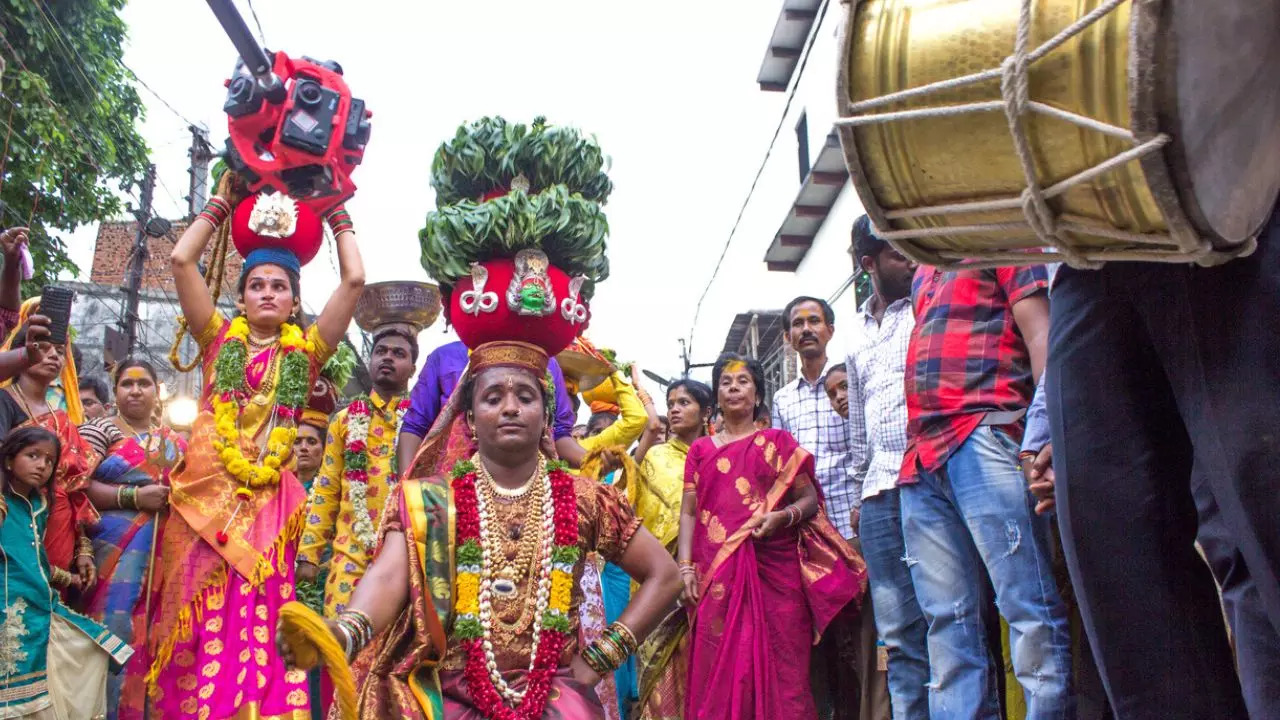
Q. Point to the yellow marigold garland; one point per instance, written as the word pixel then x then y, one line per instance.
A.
pixel 229 395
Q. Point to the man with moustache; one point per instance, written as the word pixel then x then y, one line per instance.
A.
pixel 359 469
pixel 876 406
pixel 803 409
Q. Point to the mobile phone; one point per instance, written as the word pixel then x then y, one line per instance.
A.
pixel 55 304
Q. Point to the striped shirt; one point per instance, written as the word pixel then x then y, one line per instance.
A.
pixel 803 409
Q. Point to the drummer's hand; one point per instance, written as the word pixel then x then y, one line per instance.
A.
pixel 583 673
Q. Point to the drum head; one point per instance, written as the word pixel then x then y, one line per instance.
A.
pixel 1221 103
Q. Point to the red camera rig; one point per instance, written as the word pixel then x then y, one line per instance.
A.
pixel 294 126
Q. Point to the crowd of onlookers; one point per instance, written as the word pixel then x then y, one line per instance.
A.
pixel 933 457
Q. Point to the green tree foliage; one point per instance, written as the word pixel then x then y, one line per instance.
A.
pixel 68 110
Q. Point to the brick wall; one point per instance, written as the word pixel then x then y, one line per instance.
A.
pixel 115 242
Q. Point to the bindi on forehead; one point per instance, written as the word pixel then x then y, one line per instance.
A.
pixel 268 272
pixel 509 380
pixel 135 373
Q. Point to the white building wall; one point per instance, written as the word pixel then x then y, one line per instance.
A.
pixel 744 283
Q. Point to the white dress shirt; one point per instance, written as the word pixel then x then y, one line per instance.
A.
pixel 877 397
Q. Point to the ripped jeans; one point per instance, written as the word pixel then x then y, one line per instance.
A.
pixel 899 620
pixel 975 514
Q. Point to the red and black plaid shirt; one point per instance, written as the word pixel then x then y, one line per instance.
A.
pixel 966 357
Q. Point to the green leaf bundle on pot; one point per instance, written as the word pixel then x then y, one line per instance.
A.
pixel 571 230
pixel 489 154
pixel 503 187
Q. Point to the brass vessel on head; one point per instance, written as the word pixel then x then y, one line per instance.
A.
pixel 1145 66
pixel 404 302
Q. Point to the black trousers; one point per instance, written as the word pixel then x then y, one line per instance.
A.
pixel 1159 374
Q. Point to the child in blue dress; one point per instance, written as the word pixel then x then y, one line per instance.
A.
pixel 53 661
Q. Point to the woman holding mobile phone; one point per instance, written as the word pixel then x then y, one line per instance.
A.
pixel 26 401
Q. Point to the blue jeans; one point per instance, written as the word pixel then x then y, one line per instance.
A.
pixel 975 513
pixel 899 620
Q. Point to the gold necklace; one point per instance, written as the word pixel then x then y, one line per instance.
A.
pixel 127 426
pixel 263 395
pixel 21 397
pixel 255 341
pixel 510 572
pixel 509 493
pixel 526 543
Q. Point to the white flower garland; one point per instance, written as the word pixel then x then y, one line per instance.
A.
pixel 356 461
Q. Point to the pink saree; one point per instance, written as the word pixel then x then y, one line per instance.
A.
pixel 763 602
pixel 212 643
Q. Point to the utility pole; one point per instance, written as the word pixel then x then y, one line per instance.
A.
pixel 137 261
pixel 200 153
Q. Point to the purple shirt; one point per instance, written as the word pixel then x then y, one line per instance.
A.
pixel 440 376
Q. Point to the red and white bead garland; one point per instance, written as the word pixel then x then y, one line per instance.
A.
pixel 558 554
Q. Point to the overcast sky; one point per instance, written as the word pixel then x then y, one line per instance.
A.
pixel 667 86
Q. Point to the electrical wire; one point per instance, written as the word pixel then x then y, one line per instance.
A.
pixel 261 35
pixel 813 34
pixel 157 95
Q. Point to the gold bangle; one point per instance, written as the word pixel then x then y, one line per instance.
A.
pixel 59 577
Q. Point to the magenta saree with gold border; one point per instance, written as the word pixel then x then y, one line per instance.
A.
pixel 763 602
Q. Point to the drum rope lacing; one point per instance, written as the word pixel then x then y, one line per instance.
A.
pixel 1049 227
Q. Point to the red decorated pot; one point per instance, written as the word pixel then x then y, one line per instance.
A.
pixel 275 220
pixel 524 299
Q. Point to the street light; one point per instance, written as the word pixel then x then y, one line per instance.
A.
pixel 182 412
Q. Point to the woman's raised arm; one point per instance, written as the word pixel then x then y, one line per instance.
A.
pixel 336 316
pixel 193 294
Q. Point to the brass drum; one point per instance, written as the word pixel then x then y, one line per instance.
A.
pixel 997 132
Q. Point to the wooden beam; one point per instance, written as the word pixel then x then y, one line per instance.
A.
pixel 801 14
pixel 811 211
pixel 786 53
pixel 828 178
pixel 782 265
pixel 795 241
